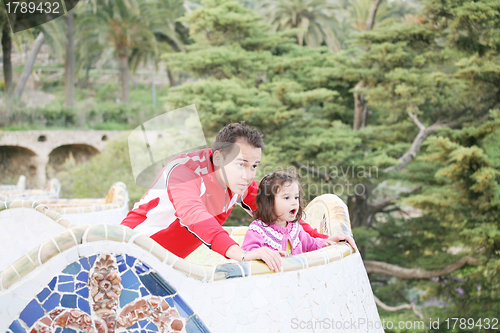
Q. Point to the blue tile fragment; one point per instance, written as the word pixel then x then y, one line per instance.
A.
pixel 121 263
pixel 69 301
pixel 83 292
pixel 92 260
pixel 85 263
pixel 156 285
pixel 83 276
pixel 128 296
pixel 181 306
pixel 16 327
pixel 58 330
pixel 42 295
pixel 80 285
pixel 66 287
pixel 152 327
pixel 170 301
pixel 143 323
pixel 195 325
pixel 130 281
pixel 31 313
pixel 134 326
pixel 52 283
pixel 83 305
pixel 65 278
pixel 141 268
pixel 130 260
pixel 73 268
pixel 229 270
pixel 246 266
pixel 144 292
pixel 51 302
pixel 68 330
pixel 120 259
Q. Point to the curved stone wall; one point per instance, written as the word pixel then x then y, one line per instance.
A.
pixel 107 278
pixel 328 284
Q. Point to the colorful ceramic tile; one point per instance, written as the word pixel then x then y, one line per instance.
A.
pixel 228 271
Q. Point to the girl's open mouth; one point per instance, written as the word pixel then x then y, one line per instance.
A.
pixel 293 211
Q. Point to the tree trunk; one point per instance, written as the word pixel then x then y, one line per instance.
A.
pixel 370 21
pixel 171 79
pixel 124 79
pixel 7 51
pixel 69 64
pixel 28 67
pixel 360 213
pixel 360 107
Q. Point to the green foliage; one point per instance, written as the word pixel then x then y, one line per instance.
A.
pixel 301 99
pixel 440 65
pixel 90 115
pixel 94 178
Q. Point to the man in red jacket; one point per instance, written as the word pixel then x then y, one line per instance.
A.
pixel 196 192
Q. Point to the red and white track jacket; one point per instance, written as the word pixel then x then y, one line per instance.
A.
pixel 193 207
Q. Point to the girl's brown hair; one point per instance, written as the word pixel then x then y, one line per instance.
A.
pixel 269 186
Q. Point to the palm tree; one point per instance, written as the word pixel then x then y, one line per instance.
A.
pixel 124 27
pixel 6 49
pixel 315 20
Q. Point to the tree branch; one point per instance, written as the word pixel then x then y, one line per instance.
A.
pixel 28 67
pixel 416 144
pixel 378 207
pixel 415 273
pixel 399 307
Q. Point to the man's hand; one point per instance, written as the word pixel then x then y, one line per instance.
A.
pixel 341 236
pixel 270 257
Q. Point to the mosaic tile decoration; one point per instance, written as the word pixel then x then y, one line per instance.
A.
pixel 116 198
pixel 51 192
pixel 24 225
pixel 228 297
pixel 106 293
pixel 20 186
pixel 329 214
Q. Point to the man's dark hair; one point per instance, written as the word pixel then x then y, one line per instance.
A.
pixel 269 186
pixel 229 134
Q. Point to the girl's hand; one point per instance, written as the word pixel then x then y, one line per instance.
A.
pixel 283 253
pixel 270 257
pixel 341 236
pixel 328 242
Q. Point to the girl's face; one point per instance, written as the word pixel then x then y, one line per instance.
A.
pixel 286 202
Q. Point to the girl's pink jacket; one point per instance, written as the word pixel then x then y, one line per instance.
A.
pixel 275 237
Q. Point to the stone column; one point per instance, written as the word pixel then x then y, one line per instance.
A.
pixel 41 162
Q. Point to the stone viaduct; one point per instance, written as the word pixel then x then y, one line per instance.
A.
pixel 34 153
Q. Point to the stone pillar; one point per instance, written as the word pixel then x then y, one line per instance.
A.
pixel 41 162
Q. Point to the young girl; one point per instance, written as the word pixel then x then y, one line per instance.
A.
pixel 276 224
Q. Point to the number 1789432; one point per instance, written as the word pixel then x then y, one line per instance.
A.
pixel 32 7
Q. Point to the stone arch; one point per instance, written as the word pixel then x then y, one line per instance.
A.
pixel 81 153
pixel 16 161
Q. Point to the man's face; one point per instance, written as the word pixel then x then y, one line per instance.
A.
pixel 239 170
